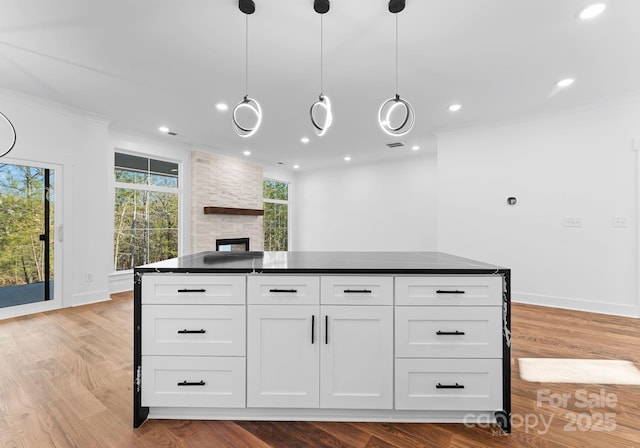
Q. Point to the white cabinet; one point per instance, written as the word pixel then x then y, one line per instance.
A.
pixel 448 343
pixel 282 356
pixel 356 357
pixel 316 355
pixel 193 341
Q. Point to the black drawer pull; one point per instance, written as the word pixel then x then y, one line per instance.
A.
pixel 313 328
pixel 192 290
pixel 185 331
pixel 187 383
pixel 284 290
pixel 449 333
pixel 449 386
pixel 445 291
pixel 357 291
pixel 326 329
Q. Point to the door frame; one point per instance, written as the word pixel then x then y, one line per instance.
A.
pixel 56 237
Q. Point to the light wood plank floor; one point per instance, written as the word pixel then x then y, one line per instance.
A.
pixel 65 381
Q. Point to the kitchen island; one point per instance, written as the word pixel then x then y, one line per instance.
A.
pixel 333 336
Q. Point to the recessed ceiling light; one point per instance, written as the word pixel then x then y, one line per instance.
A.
pixel 592 11
pixel 455 107
pixel 304 139
pixel 347 158
pixel 415 147
pixel 222 107
pixel 247 153
pixel 295 167
pixel 163 129
pixel 565 82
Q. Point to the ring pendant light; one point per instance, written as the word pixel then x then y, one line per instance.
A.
pixel 247 104
pixel 323 106
pixel 13 135
pixel 396 106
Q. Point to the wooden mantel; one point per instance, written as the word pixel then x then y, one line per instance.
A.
pixel 233 211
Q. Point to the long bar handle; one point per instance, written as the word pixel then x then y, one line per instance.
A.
pixel 284 290
pixel 449 333
pixel 313 328
pixel 449 386
pixel 187 383
pixel 185 331
pixel 326 329
pixel 192 290
pixel 357 291
pixel 445 291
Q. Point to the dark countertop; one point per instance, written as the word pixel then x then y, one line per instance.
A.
pixel 323 263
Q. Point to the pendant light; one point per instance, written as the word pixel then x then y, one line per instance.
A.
pixel 396 116
pixel 12 139
pixel 247 104
pixel 321 115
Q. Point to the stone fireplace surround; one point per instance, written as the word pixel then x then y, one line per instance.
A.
pixel 219 181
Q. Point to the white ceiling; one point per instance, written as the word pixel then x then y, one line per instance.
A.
pixel 145 63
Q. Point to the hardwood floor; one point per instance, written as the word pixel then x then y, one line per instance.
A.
pixel 65 381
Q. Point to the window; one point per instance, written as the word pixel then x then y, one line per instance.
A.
pixel 146 211
pixel 276 215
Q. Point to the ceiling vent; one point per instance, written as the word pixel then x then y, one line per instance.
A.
pixel 395 144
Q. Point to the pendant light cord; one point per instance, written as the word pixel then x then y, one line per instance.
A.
pixel 321 61
pixel 396 53
pixel 246 55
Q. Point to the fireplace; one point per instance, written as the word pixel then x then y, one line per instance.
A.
pixel 232 244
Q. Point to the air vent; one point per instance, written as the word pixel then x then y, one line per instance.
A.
pixel 394 144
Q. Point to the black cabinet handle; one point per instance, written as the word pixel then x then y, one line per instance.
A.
pixel 445 291
pixel 357 291
pixel 313 328
pixel 284 290
pixel 187 383
pixel 450 333
pixel 192 290
pixel 326 329
pixel 449 386
pixel 185 331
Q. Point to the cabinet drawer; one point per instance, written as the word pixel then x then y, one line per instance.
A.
pixel 448 332
pixel 184 381
pixel 453 290
pixel 193 289
pixel 449 384
pixel 283 289
pixel 347 290
pixel 194 330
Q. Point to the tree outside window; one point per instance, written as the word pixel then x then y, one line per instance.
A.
pixel 145 211
pixel 276 215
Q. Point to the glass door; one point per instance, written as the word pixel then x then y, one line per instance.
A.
pixel 26 234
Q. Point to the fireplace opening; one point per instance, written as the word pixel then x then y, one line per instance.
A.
pixel 232 245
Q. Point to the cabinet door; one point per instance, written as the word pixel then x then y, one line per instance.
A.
pixel 356 357
pixel 283 356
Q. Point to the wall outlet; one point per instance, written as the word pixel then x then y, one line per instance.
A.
pixel 88 276
pixel 620 221
pixel 572 221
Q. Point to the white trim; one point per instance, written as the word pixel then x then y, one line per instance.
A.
pixel 120 281
pixel 570 303
pixel 88 298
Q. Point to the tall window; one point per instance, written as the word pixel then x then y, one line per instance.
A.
pixel 276 215
pixel 146 211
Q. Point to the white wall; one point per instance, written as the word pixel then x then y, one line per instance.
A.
pixel 577 164
pixel 50 134
pixel 385 206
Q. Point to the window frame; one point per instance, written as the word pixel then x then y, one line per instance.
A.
pixel 179 190
pixel 287 202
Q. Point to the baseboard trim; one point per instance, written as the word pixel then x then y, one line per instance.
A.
pixel 89 298
pixel 120 281
pixel 614 309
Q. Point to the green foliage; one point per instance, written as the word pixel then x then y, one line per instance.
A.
pixel 276 216
pixel 21 223
pixel 272 189
pixel 145 227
